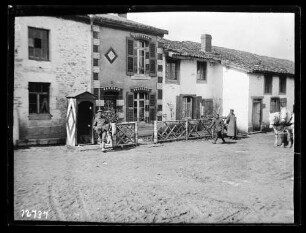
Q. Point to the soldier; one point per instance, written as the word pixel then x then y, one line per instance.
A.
pixel 101 126
pixel 219 127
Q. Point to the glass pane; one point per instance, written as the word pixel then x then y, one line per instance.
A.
pixel 135 95
pixel 37 43
pixel 141 104
pixel 146 96
pixel 141 114
pixel 45 87
pixel 44 104
pixel 32 98
pixel 32 108
pixel 141 95
pixel 135 104
pixel 32 87
pixel 37 52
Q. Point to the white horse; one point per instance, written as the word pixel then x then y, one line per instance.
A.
pixel 278 128
pixel 287 119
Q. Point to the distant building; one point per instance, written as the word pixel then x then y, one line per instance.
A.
pixel 201 79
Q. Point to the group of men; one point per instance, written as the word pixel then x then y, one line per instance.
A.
pixel 102 127
pixel 219 126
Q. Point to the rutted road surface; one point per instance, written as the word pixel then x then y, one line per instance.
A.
pixel 244 181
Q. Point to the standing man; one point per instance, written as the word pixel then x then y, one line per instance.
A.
pixel 219 127
pixel 232 126
pixel 101 127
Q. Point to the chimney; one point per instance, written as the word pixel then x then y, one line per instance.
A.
pixel 206 43
pixel 123 15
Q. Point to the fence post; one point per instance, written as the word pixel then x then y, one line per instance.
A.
pixel 136 133
pixel 186 129
pixel 155 139
pixel 114 137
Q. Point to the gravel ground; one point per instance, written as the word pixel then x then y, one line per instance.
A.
pixel 243 181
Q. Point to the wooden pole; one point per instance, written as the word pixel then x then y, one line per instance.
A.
pixel 155 132
pixel 186 129
pixel 136 133
pixel 114 137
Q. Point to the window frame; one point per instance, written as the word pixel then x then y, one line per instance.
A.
pixel 138 50
pixel 282 80
pixel 202 64
pixel 279 103
pixel 39 115
pixel 266 77
pixel 177 70
pixel 47 42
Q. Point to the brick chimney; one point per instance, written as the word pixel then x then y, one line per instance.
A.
pixel 123 15
pixel 206 43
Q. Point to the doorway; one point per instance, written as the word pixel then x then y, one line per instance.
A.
pixel 256 114
pixel 84 123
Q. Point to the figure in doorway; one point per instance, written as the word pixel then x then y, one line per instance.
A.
pixel 231 125
pixel 101 126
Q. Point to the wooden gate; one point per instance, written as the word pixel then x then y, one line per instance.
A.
pixel 199 129
pixel 182 130
pixel 124 134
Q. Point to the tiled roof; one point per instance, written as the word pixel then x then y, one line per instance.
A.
pixel 230 57
pixel 115 20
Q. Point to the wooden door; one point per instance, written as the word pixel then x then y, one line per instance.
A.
pixel 256 114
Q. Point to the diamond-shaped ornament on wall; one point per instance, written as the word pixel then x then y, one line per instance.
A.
pixel 111 55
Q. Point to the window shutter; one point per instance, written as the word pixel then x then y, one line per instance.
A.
pixel 179 107
pixel 283 102
pixel 152 51
pixel 177 70
pixel 129 106
pixel 196 107
pixel 208 108
pixel 152 107
pixel 129 56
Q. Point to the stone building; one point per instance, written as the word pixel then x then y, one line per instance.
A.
pixel 115 59
pixel 52 59
pixel 201 79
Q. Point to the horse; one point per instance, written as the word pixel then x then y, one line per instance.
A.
pixel 278 128
pixel 287 119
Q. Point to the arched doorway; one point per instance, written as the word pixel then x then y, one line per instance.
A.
pixel 84 122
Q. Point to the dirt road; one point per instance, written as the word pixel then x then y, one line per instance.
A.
pixel 244 181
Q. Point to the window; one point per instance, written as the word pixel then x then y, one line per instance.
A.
pixel 268 84
pixel 140 56
pixel 172 70
pixel 282 84
pixel 187 107
pixel 140 100
pixel 274 105
pixel 38 44
pixel 201 71
pixel 39 98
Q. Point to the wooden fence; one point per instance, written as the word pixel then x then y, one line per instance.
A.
pixel 124 133
pixel 182 130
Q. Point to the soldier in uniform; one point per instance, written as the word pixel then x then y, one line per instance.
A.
pixel 101 126
pixel 219 127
